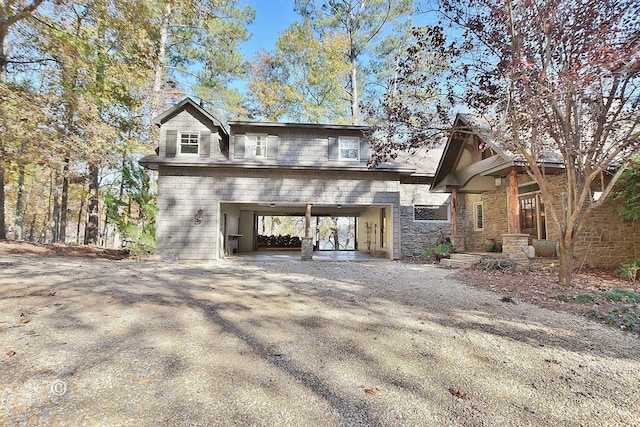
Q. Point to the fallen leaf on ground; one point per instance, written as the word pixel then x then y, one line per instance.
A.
pixel 458 393
pixel 372 390
pixel 11 353
pixel 24 320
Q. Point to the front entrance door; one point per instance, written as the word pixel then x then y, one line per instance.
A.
pixel 532 216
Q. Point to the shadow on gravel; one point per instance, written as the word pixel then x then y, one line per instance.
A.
pixel 489 313
pixel 337 312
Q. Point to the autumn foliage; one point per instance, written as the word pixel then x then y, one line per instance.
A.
pixel 555 79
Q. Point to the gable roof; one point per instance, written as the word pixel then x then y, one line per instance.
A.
pixel 449 176
pixel 188 104
pixel 481 127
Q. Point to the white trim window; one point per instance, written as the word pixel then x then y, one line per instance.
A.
pixel 189 143
pixel 256 147
pixel 432 213
pixel 478 216
pixel 349 148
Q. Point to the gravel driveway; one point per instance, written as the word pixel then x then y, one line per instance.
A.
pixel 297 344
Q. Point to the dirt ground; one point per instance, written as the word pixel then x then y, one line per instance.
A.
pixel 586 297
pixel 90 341
pixel 535 287
pixel 12 247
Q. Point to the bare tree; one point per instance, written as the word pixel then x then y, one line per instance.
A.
pixel 553 78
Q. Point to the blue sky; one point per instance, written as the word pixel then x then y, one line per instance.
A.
pixel 272 17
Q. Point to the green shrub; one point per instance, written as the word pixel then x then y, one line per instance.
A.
pixel 624 295
pixel 585 298
pixel 439 248
pixel 561 297
pixel 629 270
pixel 625 317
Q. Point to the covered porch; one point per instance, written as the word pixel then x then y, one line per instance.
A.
pixel 492 197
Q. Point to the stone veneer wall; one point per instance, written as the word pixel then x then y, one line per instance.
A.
pixel 495 217
pixel 417 236
pixel 605 241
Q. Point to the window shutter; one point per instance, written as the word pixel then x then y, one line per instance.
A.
pixel 205 143
pixel 272 146
pixel 365 150
pixel 334 151
pixel 238 147
pixel 171 138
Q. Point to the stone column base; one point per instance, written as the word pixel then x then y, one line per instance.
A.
pixel 307 249
pixel 458 243
pixel 514 246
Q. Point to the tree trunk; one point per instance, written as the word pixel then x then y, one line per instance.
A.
pixel 20 202
pixel 55 196
pixel 4 47
pixel 79 219
pixel 158 72
pixel 3 231
pixel 565 275
pixel 3 78
pixel 15 14
pixel 32 227
pixel 92 232
pixel 64 202
pixel 355 110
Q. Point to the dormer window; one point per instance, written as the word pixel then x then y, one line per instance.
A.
pixel 189 143
pixel 349 148
pixel 256 146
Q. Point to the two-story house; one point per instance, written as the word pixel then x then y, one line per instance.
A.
pixel 214 182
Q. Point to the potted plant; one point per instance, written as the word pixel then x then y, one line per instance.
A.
pixel 490 245
pixel 544 247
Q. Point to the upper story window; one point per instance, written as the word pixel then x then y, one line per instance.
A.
pixel 432 213
pixel 189 143
pixel 349 148
pixel 256 146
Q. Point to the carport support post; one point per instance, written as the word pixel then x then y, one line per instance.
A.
pixel 307 240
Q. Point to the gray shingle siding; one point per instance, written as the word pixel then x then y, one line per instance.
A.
pixel 185 122
pixel 182 191
pixel 302 166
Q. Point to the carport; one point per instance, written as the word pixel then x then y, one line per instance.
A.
pixel 242 226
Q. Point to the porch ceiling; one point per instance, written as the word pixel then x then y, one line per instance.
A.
pixel 293 209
